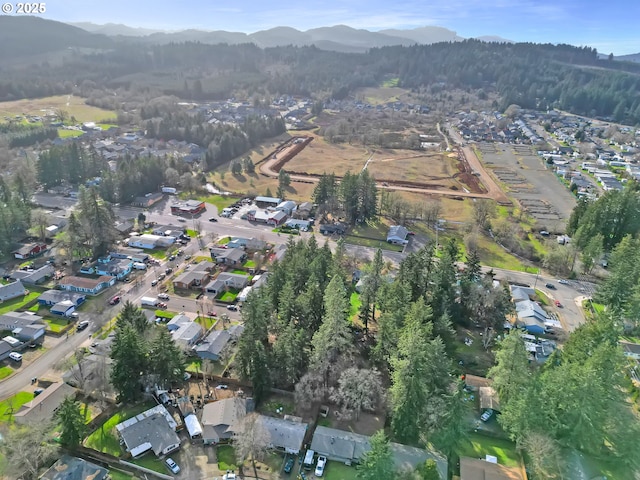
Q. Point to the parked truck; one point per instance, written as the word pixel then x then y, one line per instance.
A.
pixel 149 302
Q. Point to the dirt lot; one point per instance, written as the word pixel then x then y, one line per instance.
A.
pixel 537 189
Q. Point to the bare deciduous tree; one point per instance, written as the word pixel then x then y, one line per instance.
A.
pixel 358 389
pixel 27 449
pixel 251 440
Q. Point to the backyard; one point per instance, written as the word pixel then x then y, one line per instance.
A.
pixel 477 446
pixel 226 458
pixel 18 302
pixel 13 404
pixel 56 324
pixel 104 439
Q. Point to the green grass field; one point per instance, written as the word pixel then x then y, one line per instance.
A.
pixel 494 255
pixel 105 439
pixel 74 106
pixel 226 458
pixel 339 471
pixel 16 402
pixel 229 296
pixel 148 461
pixel 17 303
pixel 56 325
pixel 165 314
pixel 206 321
pixel 354 306
pixel 64 133
pixel 478 446
pixel 6 371
pixel 220 201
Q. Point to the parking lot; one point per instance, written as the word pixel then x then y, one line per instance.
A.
pixel 527 179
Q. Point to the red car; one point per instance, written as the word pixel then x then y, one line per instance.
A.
pixel 557 303
pixel 114 300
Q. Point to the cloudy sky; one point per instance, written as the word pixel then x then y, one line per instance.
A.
pixel 609 26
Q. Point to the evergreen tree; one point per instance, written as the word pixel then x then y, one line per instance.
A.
pixel 72 424
pixel 166 360
pixel 377 463
pixel 129 355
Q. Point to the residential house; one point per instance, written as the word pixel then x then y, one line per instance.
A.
pixel 188 207
pixel 184 331
pixel 265 202
pixel 125 227
pixel 34 277
pixel 531 317
pixel 247 243
pixel 88 285
pixel 284 434
pixel 64 308
pixel 114 267
pixel 191 279
pixel 288 206
pixel 30 250
pixel 479 469
pixel 12 290
pixel 147 200
pixel 168 230
pixel 397 235
pixel 348 447
pixel 5 349
pixel 135 254
pixel 214 344
pixel 43 407
pixel 333 228
pixel 154 429
pixel 225 281
pixel 303 211
pixel 221 419
pixel 299 224
pixel 74 468
pixel 277 218
pixel 51 297
pixel 228 256
pixel 25 326
pixel 519 294
pixel 149 242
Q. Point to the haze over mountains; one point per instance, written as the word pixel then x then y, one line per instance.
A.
pixel 339 37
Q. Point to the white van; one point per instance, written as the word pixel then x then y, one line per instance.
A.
pixel 308 460
pixel 16 357
pixel 140 266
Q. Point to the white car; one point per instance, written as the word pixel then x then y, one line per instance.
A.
pixel 322 462
pixel 16 357
pixel 563 282
pixel 171 465
pixel 486 415
pixel 163 296
pixel 154 283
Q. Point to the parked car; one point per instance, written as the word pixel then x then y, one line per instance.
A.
pixel 172 258
pixel 486 415
pixel 114 300
pixel 173 466
pixel 322 462
pixel 168 270
pixel 213 219
pixel 211 313
pixel 182 220
pixel 16 357
pixel 161 276
pixel 550 286
pixel 163 296
pixel 288 466
pixel 233 308
pixel 563 282
pixel 75 315
pixel 82 325
pixel 222 386
pixel 154 283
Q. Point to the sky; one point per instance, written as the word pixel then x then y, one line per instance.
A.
pixel 609 26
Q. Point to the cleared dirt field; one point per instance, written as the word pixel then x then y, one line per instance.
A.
pixel 524 176
pixel 74 106
pixel 429 168
pixel 320 157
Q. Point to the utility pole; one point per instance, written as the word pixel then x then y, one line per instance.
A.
pixel 536 282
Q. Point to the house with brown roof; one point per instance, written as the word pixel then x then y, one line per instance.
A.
pixel 478 469
pixel 220 419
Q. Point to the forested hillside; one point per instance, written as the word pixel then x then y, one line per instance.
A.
pixel 531 75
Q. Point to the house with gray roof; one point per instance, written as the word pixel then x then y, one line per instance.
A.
pixel 74 468
pixel 191 279
pixel 43 407
pixel 26 327
pixel 214 344
pixel 228 256
pixel 248 243
pixel 397 235
pixel 51 297
pixel 220 419
pixel 349 447
pixel 284 434
pixel 531 317
pixel 184 331
pixel 154 429
pixel 5 349
pixel 34 277
pixel 226 280
pixel 12 290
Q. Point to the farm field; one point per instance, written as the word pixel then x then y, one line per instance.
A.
pixel 74 106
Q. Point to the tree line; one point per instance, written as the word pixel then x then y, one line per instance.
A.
pixel 356 196
pixel 530 75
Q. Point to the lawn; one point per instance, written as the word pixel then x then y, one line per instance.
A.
pixel 157 253
pixel 220 201
pixel 56 325
pixel 339 471
pixel 226 458
pixel 16 402
pixel 73 105
pixel 165 314
pixel 206 321
pixel 104 439
pixel 229 296
pixel 150 462
pixel 542 297
pixel 354 305
pixel 64 133
pixel 249 264
pixel 116 475
pixel 478 446
pixel 18 302
pixel 5 372
pixel 367 242
pixel 493 255
pixel 192 233
pixel 224 240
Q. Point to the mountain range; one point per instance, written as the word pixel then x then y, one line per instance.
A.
pixel 338 38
